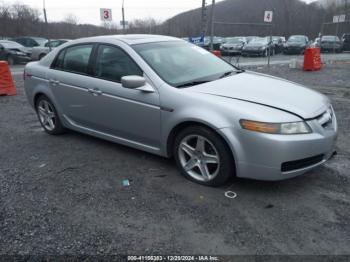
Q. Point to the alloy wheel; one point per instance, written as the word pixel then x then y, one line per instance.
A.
pixel 47 115
pixel 199 158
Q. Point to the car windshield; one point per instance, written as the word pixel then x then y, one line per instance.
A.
pixel 259 41
pixel 234 40
pixel 296 39
pixel 180 63
pixel 55 43
pixel 11 45
pixel 329 38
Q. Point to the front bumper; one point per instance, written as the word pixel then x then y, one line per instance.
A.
pixel 329 48
pixel 277 157
pixel 255 52
pixel 231 51
pixel 22 59
pixel 293 49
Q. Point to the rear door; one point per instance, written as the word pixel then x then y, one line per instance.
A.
pixel 70 81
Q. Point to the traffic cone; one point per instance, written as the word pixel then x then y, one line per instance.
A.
pixel 7 87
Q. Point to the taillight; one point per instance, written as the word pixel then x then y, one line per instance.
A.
pixel 25 75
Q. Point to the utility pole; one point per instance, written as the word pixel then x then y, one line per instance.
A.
pixel 47 26
pixel 212 25
pixel 204 18
pixel 123 17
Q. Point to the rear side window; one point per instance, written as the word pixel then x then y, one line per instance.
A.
pixel 112 64
pixel 74 59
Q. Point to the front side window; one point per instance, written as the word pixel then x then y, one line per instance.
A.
pixel 112 64
pixel 178 63
pixel 74 59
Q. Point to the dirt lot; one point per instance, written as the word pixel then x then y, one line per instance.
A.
pixel 64 194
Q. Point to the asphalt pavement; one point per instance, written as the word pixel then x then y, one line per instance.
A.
pixel 64 194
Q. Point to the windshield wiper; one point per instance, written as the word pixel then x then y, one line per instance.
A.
pixel 193 83
pixel 231 72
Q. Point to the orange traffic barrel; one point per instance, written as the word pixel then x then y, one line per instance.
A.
pixel 7 86
pixel 312 59
pixel 217 53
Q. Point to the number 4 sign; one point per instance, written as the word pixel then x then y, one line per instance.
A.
pixel 106 14
pixel 268 16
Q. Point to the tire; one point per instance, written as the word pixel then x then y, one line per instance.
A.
pixel 10 60
pixel 48 116
pixel 41 56
pixel 196 145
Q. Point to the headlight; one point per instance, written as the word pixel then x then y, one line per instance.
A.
pixel 262 48
pixel 276 128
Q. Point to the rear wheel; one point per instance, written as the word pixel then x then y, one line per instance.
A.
pixel 203 157
pixel 48 116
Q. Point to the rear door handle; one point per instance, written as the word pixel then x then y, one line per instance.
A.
pixel 95 91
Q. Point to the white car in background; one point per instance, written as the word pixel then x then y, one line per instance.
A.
pixel 39 52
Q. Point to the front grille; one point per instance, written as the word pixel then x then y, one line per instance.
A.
pixel 301 163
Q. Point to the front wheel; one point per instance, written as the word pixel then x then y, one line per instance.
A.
pixel 48 116
pixel 203 157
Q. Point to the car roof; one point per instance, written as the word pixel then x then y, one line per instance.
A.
pixel 131 39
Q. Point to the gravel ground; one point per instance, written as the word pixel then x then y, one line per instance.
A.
pixel 64 194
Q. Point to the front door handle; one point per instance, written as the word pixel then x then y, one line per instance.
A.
pixel 95 91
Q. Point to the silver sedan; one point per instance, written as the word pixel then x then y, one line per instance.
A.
pixel 171 98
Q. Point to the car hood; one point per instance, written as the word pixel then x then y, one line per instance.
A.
pixel 294 44
pixel 267 90
pixel 255 45
pixel 232 45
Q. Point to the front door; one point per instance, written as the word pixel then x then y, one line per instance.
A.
pixel 129 114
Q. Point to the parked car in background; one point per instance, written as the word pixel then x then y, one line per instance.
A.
pixel 259 46
pixel 30 42
pixel 168 97
pixel 13 53
pixel 277 42
pixel 39 52
pixel 331 43
pixel 296 44
pixel 346 42
pixel 233 45
pixel 217 41
pixel 250 38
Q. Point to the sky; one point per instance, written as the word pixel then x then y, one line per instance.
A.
pixel 88 11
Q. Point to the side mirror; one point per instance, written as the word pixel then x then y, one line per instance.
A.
pixel 133 81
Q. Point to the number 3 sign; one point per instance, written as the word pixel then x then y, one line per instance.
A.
pixel 268 16
pixel 106 14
